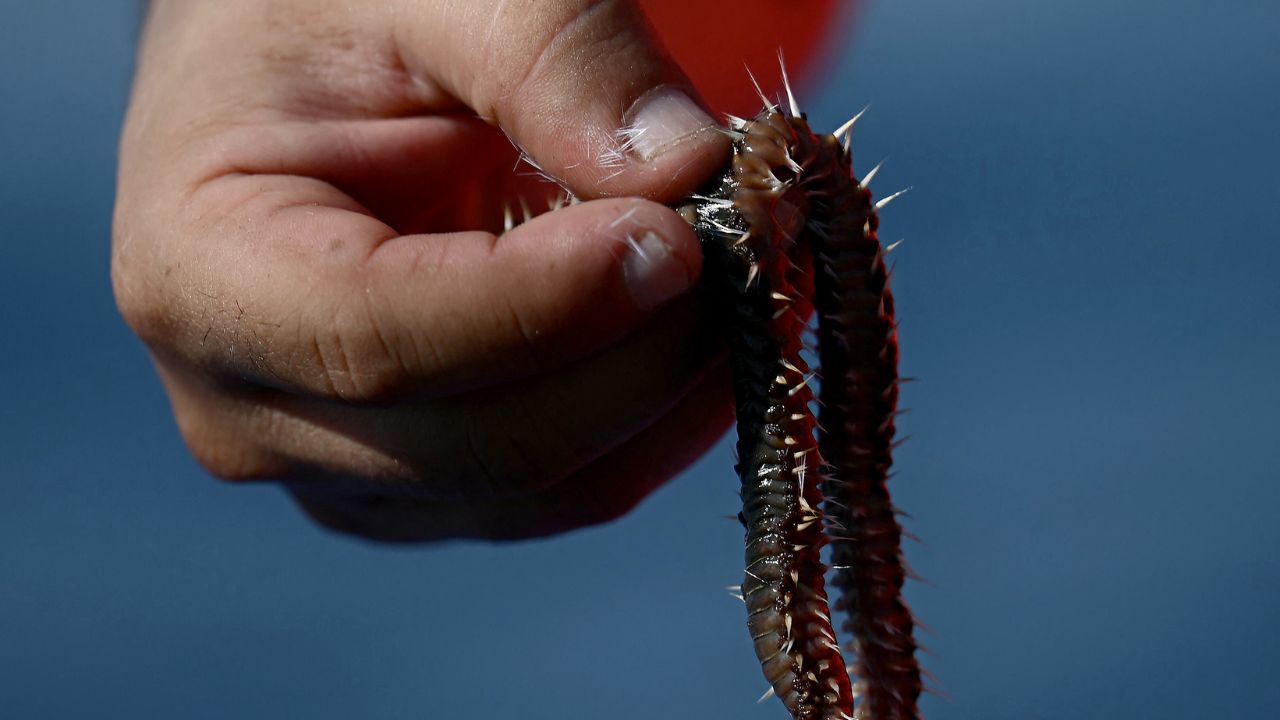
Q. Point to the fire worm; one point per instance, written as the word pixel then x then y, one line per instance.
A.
pixel 788 231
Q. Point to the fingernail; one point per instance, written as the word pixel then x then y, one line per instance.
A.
pixel 652 272
pixel 661 119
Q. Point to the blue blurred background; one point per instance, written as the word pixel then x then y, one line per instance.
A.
pixel 1089 292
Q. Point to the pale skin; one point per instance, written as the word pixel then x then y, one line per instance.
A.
pixel 308 237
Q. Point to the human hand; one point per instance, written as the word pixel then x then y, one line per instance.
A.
pixel 309 192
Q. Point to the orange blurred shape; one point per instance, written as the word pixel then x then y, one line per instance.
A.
pixel 712 39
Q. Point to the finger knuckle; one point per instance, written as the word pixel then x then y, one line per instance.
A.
pixel 152 320
pixel 225 458
pixel 356 363
pixel 509 69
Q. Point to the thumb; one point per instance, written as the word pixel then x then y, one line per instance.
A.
pixel 583 87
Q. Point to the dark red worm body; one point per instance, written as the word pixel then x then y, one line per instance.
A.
pixel 858 351
pixel 786 231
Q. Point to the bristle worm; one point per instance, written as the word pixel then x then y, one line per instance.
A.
pixel 789 231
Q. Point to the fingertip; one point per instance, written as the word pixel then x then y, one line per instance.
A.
pixel 473 310
pixel 598 103
pixel 674 156
pixel 661 260
pixel 672 145
pixel 663 147
pixel 587 275
pixel 639 253
pixel 661 119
